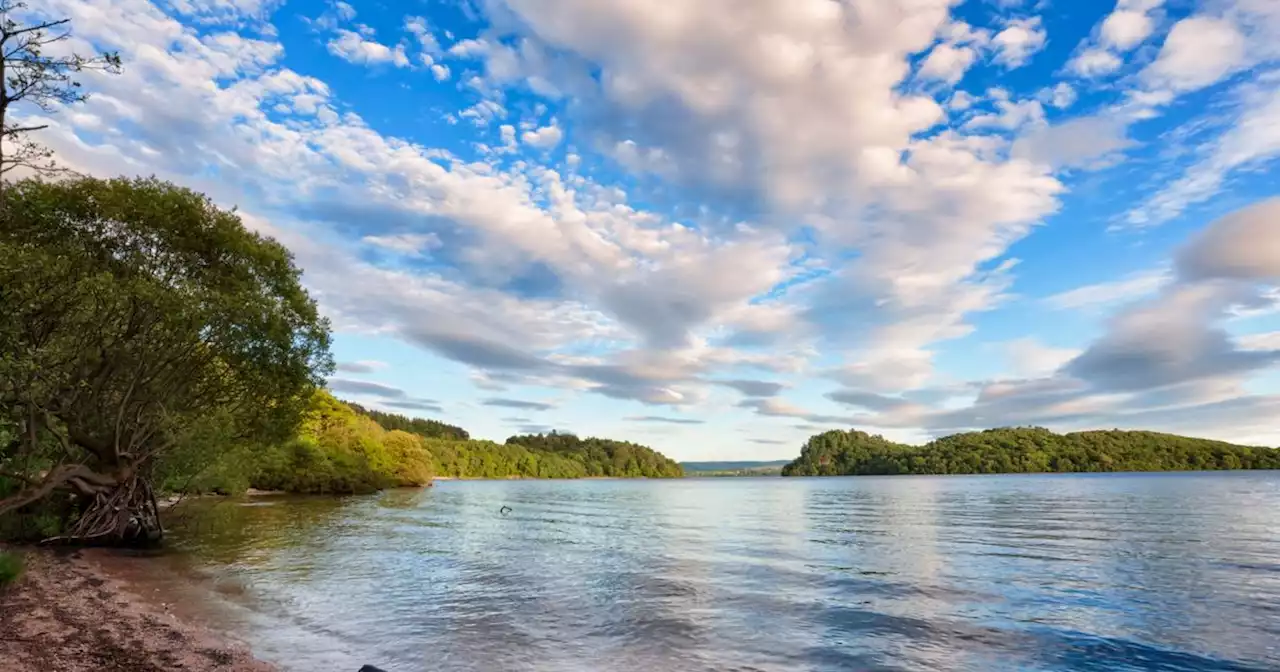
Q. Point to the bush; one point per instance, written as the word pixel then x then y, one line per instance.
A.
pixel 339 451
pixel 10 568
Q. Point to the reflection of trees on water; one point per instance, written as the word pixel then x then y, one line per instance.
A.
pixel 244 531
pixel 403 498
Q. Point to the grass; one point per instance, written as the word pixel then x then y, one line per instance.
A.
pixel 10 568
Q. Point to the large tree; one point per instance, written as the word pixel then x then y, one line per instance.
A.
pixel 134 311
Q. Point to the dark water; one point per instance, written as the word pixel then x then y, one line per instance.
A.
pixel 1078 572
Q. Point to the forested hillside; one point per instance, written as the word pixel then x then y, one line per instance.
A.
pixel 1023 450
pixel 342 447
pixel 431 429
pixel 554 455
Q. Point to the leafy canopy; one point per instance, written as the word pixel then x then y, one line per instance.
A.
pixel 134 311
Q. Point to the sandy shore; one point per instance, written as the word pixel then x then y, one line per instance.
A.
pixel 77 612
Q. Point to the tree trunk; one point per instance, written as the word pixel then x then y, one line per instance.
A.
pixel 114 509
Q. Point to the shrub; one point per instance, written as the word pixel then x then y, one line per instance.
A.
pixel 10 568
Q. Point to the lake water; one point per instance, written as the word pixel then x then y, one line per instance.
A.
pixel 1047 572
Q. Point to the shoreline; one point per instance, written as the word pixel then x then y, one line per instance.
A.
pixel 80 611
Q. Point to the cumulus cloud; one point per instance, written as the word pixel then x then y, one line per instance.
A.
pixel 1132 22
pixel 418 27
pixel 1094 62
pixel 1125 29
pixel 1168 340
pixel 947 63
pixel 1080 142
pixel 1244 245
pixel 543 138
pixel 356 48
pixel 1177 336
pixel 819 200
pixel 1163 360
pixel 1199 51
pixel 1019 41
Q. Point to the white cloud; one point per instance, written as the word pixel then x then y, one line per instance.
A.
pixel 1084 142
pixel 344 11
pixel 1009 115
pixel 484 112
pixel 1019 41
pixel 947 63
pixel 1243 245
pixel 409 244
pixel 961 101
pixel 1125 29
pixel 1061 96
pixel 1253 139
pixel 1199 51
pixel 544 138
pixel 664 307
pixel 440 72
pixel 1104 294
pixel 417 26
pixel 1094 62
pixel 1029 358
pixel 1269 341
pixel 355 48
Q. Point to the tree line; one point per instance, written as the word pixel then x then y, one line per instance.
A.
pixel 1016 450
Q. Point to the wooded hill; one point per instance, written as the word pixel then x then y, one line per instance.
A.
pixel 1015 450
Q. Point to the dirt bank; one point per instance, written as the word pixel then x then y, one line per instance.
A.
pixel 78 612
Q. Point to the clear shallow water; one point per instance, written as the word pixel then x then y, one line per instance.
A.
pixel 1072 572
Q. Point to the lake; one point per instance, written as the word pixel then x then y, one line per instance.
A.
pixel 1041 572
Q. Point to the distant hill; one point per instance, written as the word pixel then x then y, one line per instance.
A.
pixel 554 455
pixel 1016 450
pixel 743 468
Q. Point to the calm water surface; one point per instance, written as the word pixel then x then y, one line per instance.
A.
pixel 1076 572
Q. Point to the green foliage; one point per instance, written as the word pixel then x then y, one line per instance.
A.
pixel 338 450
pixel 549 456
pixel 601 457
pixel 431 429
pixel 145 332
pixel 10 568
pixel 1023 450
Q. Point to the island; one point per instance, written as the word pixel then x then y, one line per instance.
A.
pixel 1022 450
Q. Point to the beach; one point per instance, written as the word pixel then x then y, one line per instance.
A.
pixel 90 610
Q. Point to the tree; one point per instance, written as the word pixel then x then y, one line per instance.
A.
pixel 30 75
pixel 134 311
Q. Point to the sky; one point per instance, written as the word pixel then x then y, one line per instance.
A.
pixel 719 227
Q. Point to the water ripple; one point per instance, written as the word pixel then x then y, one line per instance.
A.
pixel 1173 572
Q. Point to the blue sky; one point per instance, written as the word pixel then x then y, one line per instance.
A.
pixel 716 227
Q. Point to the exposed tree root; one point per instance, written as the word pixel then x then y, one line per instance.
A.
pixel 113 509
